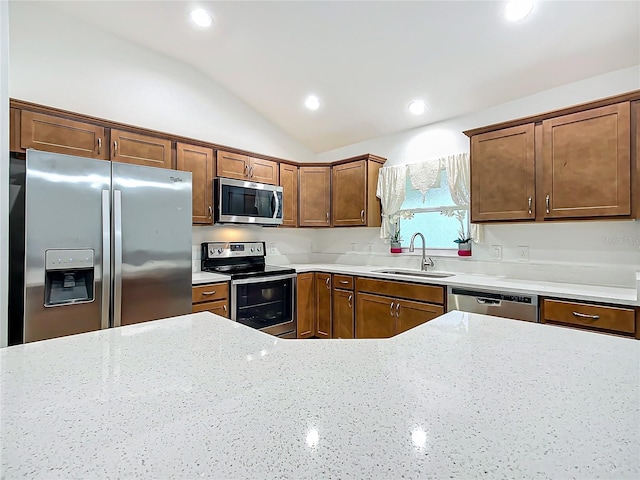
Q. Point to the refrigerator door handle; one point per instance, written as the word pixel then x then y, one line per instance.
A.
pixel 106 260
pixel 117 260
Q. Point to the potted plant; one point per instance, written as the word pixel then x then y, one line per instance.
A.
pixel 394 240
pixel 464 245
pixel 464 236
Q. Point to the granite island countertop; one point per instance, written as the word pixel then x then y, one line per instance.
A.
pixel 199 396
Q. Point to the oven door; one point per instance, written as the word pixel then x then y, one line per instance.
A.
pixel 247 202
pixel 265 303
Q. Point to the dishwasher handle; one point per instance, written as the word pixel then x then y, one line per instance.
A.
pixel 489 301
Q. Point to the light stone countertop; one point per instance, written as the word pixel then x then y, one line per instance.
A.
pixel 200 278
pixel 199 396
pixel 594 293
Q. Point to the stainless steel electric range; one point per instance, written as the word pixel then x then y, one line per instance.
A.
pixel 262 296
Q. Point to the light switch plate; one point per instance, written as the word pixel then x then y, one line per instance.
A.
pixel 523 253
pixel 496 252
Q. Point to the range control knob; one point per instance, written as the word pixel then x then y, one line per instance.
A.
pixel 219 251
pixel 258 248
pixel 252 249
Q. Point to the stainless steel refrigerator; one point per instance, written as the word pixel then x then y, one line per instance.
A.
pixel 95 244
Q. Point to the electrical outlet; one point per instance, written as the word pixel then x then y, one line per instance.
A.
pixel 523 253
pixel 496 252
pixel 272 248
pixel 370 248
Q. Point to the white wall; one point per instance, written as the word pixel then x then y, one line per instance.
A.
pixel 591 252
pixel 61 63
pixel 4 170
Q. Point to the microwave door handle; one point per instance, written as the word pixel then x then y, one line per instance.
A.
pixel 277 207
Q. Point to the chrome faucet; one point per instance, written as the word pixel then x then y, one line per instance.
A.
pixel 425 264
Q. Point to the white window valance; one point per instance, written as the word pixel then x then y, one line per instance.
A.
pixel 424 176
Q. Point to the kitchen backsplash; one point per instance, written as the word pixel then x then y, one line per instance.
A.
pixel 598 253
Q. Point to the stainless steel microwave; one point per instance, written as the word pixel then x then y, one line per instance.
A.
pixel 240 201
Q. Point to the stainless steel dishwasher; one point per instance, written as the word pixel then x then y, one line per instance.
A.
pixel 499 304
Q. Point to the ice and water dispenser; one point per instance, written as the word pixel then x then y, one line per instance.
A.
pixel 69 277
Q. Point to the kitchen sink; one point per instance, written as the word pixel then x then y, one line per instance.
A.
pixel 416 273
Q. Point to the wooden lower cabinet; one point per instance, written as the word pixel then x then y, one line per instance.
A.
pixel 587 315
pixel 212 297
pixel 411 314
pixel 323 305
pixel 306 305
pixel 343 314
pixel 374 316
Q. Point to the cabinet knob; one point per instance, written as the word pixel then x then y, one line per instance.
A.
pixel 546 201
pixel 210 211
pixel 327 217
pixel 391 309
pixel 584 315
pixel 115 148
pixel 362 216
pixel 99 146
pixel 349 300
pixel 327 281
pixel 530 202
pixel 397 309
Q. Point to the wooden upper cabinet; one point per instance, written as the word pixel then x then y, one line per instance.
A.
pixel 289 184
pixel 343 314
pixel 587 167
pixel 349 194
pixel 635 165
pixel 263 171
pixel 503 175
pixel 60 135
pixel 323 305
pixel 137 149
pixel 306 304
pixel 243 167
pixel 198 161
pixel 353 193
pixel 315 197
pixel 232 165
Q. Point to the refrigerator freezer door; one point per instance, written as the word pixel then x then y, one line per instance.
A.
pixel 64 212
pixel 152 237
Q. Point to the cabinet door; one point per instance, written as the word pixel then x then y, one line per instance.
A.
pixel 306 303
pixel 315 196
pixel 323 305
pixel 587 166
pixel 127 147
pixel 411 314
pixel 375 316
pixel 60 135
pixel 232 165
pixel 263 171
pixel 14 130
pixel 503 175
pixel 198 161
pixel 289 184
pixel 343 312
pixel 348 194
pixel 219 308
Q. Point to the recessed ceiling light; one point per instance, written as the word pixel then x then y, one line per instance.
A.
pixel 417 107
pixel 201 17
pixel 312 102
pixel 516 10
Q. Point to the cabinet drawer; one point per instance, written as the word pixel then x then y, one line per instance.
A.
pixel 412 291
pixel 593 316
pixel 345 282
pixel 219 308
pixel 207 293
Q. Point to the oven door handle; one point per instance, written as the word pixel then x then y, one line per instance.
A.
pixel 263 279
